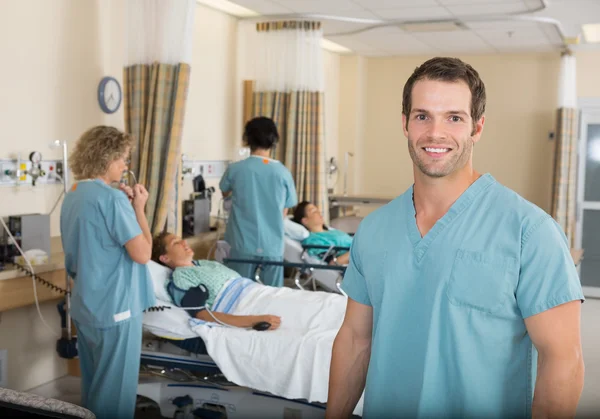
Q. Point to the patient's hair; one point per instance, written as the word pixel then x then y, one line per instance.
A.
pixel 261 133
pixel 300 212
pixel 449 70
pixel 96 149
pixel 159 246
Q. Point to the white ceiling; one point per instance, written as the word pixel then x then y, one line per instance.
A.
pixel 491 26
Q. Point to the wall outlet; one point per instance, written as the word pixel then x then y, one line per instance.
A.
pixel 3 368
pixel 208 169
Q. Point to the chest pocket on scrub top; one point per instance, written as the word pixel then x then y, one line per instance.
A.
pixel 482 281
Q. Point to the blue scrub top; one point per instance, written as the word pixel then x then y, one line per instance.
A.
pixel 109 287
pixel 449 338
pixel 261 189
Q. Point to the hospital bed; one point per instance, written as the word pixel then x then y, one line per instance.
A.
pixel 307 268
pixel 316 269
pixel 180 377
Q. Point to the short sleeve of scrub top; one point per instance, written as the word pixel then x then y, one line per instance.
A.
pixel 548 275
pixel 291 198
pixel 354 283
pixel 121 220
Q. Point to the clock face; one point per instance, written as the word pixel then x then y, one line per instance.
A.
pixel 110 95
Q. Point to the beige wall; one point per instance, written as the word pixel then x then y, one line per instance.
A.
pixel 520 114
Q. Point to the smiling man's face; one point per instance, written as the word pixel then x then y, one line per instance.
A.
pixel 440 130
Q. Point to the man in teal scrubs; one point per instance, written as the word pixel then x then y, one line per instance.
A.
pixel 262 190
pixel 463 297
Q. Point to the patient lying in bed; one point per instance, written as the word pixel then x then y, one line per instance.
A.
pixel 292 361
pixel 310 217
pixel 196 283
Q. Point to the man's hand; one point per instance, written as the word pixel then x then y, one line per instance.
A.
pixel 127 191
pixel 140 197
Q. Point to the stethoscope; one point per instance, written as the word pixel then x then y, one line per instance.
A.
pixel 130 173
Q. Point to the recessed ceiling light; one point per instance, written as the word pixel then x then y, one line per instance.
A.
pixel 333 47
pixel 228 7
pixel 591 32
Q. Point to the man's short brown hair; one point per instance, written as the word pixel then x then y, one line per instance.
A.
pixel 449 70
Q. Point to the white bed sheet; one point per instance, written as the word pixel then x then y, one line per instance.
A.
pixel 291 362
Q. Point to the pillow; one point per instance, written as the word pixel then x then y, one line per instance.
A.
pixel 160 276
pixel 170 323
pixel 294 230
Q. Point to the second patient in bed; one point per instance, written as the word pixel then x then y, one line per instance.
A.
pixel 196 283
pixel 310 217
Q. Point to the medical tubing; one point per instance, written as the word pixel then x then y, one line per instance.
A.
pixel 50 285
pixel 37 303
pixel 162 308
pixel 57 176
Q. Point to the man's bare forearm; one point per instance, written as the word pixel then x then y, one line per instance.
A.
pixel 558 386
pixel 348 374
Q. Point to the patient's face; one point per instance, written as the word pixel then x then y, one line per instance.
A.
pixel 440 130
pixel 178 252
pixel 312 217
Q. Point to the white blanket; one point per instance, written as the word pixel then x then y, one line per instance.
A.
pixel 291 362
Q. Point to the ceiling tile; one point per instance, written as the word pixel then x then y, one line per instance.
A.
pixel 475 2
pixel 488 9
pixel 453 41
pixel 264 7
pixel 574 11
pixel 351 42
pixel 319 6
pixel 552 33
pixel 526 48
pixel 356 14
pixel 413 13
pixel 410 48
pixel 394 4
pixel 518 38
pixel 337 27
pixel 534 4
pixel 503 25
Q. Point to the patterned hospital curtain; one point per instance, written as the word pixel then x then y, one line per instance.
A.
pixel 156 82
pixel 290 90
pixel 564 193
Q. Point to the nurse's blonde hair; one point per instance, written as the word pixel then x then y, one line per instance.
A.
pixel 96 149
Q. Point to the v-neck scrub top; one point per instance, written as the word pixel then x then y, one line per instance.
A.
pixel 449 338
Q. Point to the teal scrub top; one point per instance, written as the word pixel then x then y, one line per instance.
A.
pixel 329 237
pixel 109 287
pixel 449 338
pixel 261 189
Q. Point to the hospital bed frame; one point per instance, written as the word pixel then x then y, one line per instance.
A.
pixel 184 381
pixel 300 267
